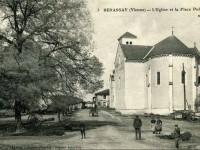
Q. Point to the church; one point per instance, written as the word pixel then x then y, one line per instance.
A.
pixel 154 79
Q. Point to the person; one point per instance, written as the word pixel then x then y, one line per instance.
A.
pixel 158 126
pixel 137 124
pixel 90 111
pixel 176 133
pixel 153 124
pixel 82 129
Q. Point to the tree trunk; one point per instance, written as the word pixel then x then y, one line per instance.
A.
pixel 59 116
pixel 18 121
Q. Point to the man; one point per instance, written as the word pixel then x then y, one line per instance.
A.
pixel 137 124
pixel 82 129
pixel 176 134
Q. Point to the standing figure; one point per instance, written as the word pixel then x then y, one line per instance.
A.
pixel 176 134
pixel 82 129
pixel 158 125
pixel 90 111
pixel 153 124
pixel 137 124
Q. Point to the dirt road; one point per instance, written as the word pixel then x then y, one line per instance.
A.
pixel 107 131
pixel 108 135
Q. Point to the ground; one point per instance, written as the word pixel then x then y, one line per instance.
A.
pixel 109 130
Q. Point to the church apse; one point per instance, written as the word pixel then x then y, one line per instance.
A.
pixel 152 76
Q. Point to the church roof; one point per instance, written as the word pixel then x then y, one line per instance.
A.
pixel 135 52
pixel 171 45
pixel 127 35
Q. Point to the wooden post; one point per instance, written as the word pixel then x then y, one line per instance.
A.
pixel 183 80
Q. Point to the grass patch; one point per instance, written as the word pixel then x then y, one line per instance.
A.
pixel 43 130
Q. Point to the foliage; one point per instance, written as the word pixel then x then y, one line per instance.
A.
pixel 60 102
pixel 186 136
pixel 46 48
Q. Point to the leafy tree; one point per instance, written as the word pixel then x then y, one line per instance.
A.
pixel 60 103
pixel 46 48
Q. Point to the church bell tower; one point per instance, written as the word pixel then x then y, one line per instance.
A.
pixel 127 39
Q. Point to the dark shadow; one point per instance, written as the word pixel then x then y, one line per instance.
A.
pixel 89 124
pixel 54 128
pixel 167 137
pixel 7 127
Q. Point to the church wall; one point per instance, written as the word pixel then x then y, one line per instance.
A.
pixel 134 85
pixel 147 85
pixel 178 94
pixel 119 80
pixel 160 93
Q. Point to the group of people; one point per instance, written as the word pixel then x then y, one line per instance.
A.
pixel 156 127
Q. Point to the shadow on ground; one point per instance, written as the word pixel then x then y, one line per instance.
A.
pixel 89 124
pixel 53 128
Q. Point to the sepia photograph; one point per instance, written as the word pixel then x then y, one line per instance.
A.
pixel 99 74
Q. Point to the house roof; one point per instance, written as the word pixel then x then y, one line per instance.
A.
pixel 135 52
pixel 127 35
pixel 104 92
pixel 171 45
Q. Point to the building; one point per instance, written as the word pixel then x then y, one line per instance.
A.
pixel 102 98
pixel 155 79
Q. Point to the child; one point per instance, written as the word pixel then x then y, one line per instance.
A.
pixel 82 129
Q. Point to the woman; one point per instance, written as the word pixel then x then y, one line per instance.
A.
pixel 153 124
pixel 158 126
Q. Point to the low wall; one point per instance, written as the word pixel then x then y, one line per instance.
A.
pixel 142 111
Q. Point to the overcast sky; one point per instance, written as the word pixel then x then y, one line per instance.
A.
pixel 149 27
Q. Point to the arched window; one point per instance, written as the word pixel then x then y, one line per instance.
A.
pixel 127 42
pixel 158 78
pixel 183 77
pixel 130 43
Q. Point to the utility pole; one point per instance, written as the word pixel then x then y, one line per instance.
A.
pixel 183 81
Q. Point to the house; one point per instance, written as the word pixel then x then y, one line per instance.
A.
pixel 155 79
pixel 102 98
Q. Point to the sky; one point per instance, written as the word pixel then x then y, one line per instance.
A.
pixel 150 27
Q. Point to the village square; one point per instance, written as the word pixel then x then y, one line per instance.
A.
pixel 161 99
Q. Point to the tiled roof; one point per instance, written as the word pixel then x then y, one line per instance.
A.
pixel 171 45
pixel 127 35
pixel 104 92
pixel 135 52
pixel 195 51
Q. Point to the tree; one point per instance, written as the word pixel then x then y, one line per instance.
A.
pixel 46 48
pixel 61 102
